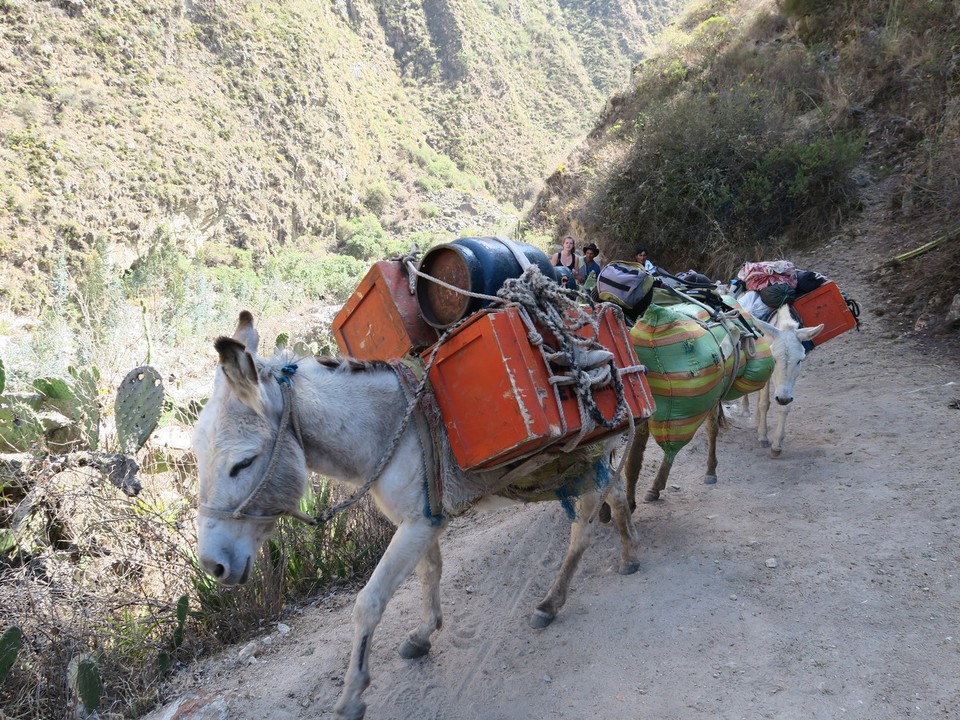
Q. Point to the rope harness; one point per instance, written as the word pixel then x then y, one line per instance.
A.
pixel 542 303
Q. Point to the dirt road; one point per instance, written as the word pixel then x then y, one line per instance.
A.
pixel 820 585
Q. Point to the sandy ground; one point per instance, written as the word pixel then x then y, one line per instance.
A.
pixel 823 584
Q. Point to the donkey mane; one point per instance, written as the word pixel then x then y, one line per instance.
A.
pixel 344 364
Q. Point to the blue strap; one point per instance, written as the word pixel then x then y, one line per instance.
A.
pixel 288 371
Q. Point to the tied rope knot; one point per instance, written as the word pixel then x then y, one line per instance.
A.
pixel 580 360
pixel 286 373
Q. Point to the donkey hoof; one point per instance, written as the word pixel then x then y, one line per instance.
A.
pixel 541 619
pixel 775 453
pixel 710 480
pixel 604 515
pixel 629 568
pixel 410 650
pixel 350 711
pixel 764 443
pixel 651 496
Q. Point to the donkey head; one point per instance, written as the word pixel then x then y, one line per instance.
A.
pixel 786 345
pixel 250 472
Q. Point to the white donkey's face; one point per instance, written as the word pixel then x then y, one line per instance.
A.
pixel 788 352
pixel 234 443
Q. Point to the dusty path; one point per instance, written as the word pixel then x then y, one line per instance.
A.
pixel 859 618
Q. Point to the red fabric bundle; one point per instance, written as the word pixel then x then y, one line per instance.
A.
pixel 758 275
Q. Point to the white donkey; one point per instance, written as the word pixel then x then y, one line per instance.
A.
pixel 268 421
pixel 787 339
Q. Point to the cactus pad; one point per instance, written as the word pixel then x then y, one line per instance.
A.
pixel 86 387
pixel 138 407
pixel 86 681
pixel 3 377
pixel 10 643
pixel 20 427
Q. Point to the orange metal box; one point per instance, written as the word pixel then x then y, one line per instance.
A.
pixel 495 395
pixel 381 320
pixel 825 305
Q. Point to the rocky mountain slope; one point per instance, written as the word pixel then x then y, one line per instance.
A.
pixel 259 124
pixel 764 128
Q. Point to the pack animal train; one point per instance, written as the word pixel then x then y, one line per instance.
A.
pixel 268 421
pixel 694 362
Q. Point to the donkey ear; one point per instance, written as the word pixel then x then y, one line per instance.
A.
pixel 804 334
pixel 245 333
pixel 767 328
pixel 241 372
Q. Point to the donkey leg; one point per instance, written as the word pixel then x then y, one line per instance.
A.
pixel 580 530
pixel 411 540
pixel 660 481
pixel 428 570
pixel 713 424
pixel 635 462
pixel 632 469
pixel 779 431
pixel 627 530
pixel 763 405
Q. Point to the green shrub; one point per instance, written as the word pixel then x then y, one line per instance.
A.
pixel 331 278
pixel 714 170
pixel 241 284
pixel 151 272
pixel 363 237
pixel 428 183
pixel 441 171
pixel 429 210
pixel 98 293
pixel 378 198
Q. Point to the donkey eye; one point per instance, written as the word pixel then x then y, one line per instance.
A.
pixel 243 464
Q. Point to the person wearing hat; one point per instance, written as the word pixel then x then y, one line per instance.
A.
pixel 589 264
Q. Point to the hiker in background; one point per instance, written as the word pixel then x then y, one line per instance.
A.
pixel 589 266
pixel 645 261
pixel 566 259
pixel 566 256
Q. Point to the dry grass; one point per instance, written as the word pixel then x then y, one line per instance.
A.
pixel 95 571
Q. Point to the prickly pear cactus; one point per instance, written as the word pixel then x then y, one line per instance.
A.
pixel 20 426
pixel 86 681
pixel 3 377
pixel 86 386
pixel 10 643
pixel 56 395
pixel 138 407
pixel 56 392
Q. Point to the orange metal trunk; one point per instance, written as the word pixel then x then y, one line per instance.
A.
pixel 381 320
pixel 825 305
pixel 494 392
